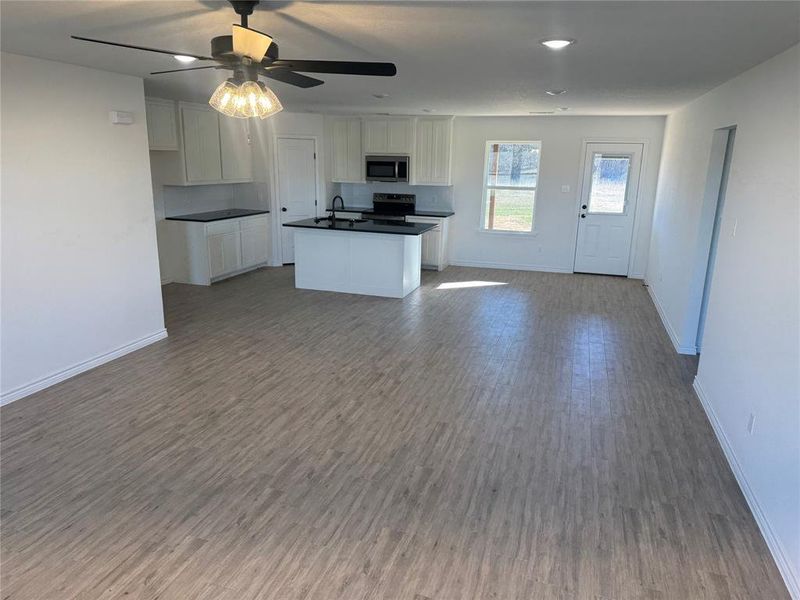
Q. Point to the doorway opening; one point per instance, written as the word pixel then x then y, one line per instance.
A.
pixel 716 186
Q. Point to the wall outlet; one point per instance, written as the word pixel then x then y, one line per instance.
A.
pixel 751 423
pixel 565 189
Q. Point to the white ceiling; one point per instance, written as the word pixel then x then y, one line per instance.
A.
pixel 465 58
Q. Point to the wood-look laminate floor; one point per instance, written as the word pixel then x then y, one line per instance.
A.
pixel 532 440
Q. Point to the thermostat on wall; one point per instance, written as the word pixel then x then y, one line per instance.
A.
pixel 121 117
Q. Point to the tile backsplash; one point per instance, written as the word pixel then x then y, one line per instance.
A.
pixel 180 200
pixel 429 197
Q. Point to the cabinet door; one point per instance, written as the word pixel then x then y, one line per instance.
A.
pixel 431 241
pixel 255 241
pixel 201 144
pixel 399 134
pixel 161 127
pixel 432 159
pixel 346 150
pixel 224 253
pixel 237 159
pixel 376 136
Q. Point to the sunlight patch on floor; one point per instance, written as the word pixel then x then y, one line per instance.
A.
pixel 456 285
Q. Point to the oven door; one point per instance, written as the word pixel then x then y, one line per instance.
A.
pixel 381 168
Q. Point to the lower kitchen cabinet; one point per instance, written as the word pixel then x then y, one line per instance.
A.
pixel 434 242
pixel 202 253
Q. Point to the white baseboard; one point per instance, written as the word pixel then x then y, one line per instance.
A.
pixel 507 266
pixel 790 577
pixel 45 382
pixel 692 350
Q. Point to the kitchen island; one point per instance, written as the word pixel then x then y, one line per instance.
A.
pixel 371 257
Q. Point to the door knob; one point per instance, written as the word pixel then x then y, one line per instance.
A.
pixel 283 208
pixel 583 216
pixel 583 207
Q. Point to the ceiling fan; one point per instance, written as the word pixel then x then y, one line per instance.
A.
pixel 251 54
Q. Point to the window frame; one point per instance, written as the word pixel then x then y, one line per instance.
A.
pixel 485 187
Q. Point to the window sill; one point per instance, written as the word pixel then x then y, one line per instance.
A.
pixel 516 234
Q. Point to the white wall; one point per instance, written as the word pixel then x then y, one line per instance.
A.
pixel 552 247
pixel 751 357
pixel 80 280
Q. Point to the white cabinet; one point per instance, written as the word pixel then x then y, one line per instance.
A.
pixel 434 242
pixel 162 130
pixel 431 164
pixel 255 244
pixel 347 159
pixel 201 253
pixel 201 148
pixel 212 148
pixel 388 136
pixel 234 141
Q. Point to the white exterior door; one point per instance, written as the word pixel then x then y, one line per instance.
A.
pixel 608 206
pixel 297 187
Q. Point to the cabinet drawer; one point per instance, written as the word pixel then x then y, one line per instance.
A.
pixel 226 226
pixel 260 222
pixel 433 220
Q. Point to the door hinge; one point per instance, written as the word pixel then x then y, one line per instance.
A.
pixel 315 202
pixel 315 156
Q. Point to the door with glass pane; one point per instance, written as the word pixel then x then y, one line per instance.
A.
pixel 608 206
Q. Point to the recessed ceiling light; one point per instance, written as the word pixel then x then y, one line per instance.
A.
pixel 555 92
pixel 380 96
pixel 429 110
pixel 542 112
pixel 557 44
pixel 185 59
pixel 563 108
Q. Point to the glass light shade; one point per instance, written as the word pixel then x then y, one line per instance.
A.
pixel 224 98
pixel 250 99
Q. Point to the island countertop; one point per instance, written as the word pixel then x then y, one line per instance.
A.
pixel 367 226
pixel 218 215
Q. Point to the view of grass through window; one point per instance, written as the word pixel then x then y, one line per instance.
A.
pixel 512 171
pixel 609 181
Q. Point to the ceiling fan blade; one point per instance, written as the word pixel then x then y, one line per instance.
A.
pixel 189 69
pixel 291 78
pixel 251 43
pixel 145 48
pixel 338 66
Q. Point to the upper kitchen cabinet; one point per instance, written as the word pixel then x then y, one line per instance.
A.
pixel 431 165
pixel 234 141
pixel 162 130
pixel 346 156
pixel 388 135
pixel 201 143
pixel 211 149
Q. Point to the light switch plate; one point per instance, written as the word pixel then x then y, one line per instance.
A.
pixel 565 189
pixel 121 117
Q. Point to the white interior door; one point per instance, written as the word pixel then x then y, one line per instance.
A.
pixel 608 206
pixel 297 187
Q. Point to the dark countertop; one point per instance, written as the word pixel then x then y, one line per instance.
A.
pixel 417 213
pixel 368 226
pixel 218 215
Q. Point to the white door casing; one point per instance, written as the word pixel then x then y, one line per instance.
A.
pixel 609 190
pixel 297 186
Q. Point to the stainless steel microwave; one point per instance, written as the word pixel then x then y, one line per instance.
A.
pixel 386 168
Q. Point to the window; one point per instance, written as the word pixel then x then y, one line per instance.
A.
pixel 512 170
pixel 609 183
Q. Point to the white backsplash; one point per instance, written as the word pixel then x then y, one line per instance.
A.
pixel 429 197
pixel 180 200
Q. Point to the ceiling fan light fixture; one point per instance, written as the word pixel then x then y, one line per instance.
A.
pixel 245 100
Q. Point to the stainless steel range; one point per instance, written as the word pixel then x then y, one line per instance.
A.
pixel 392 207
